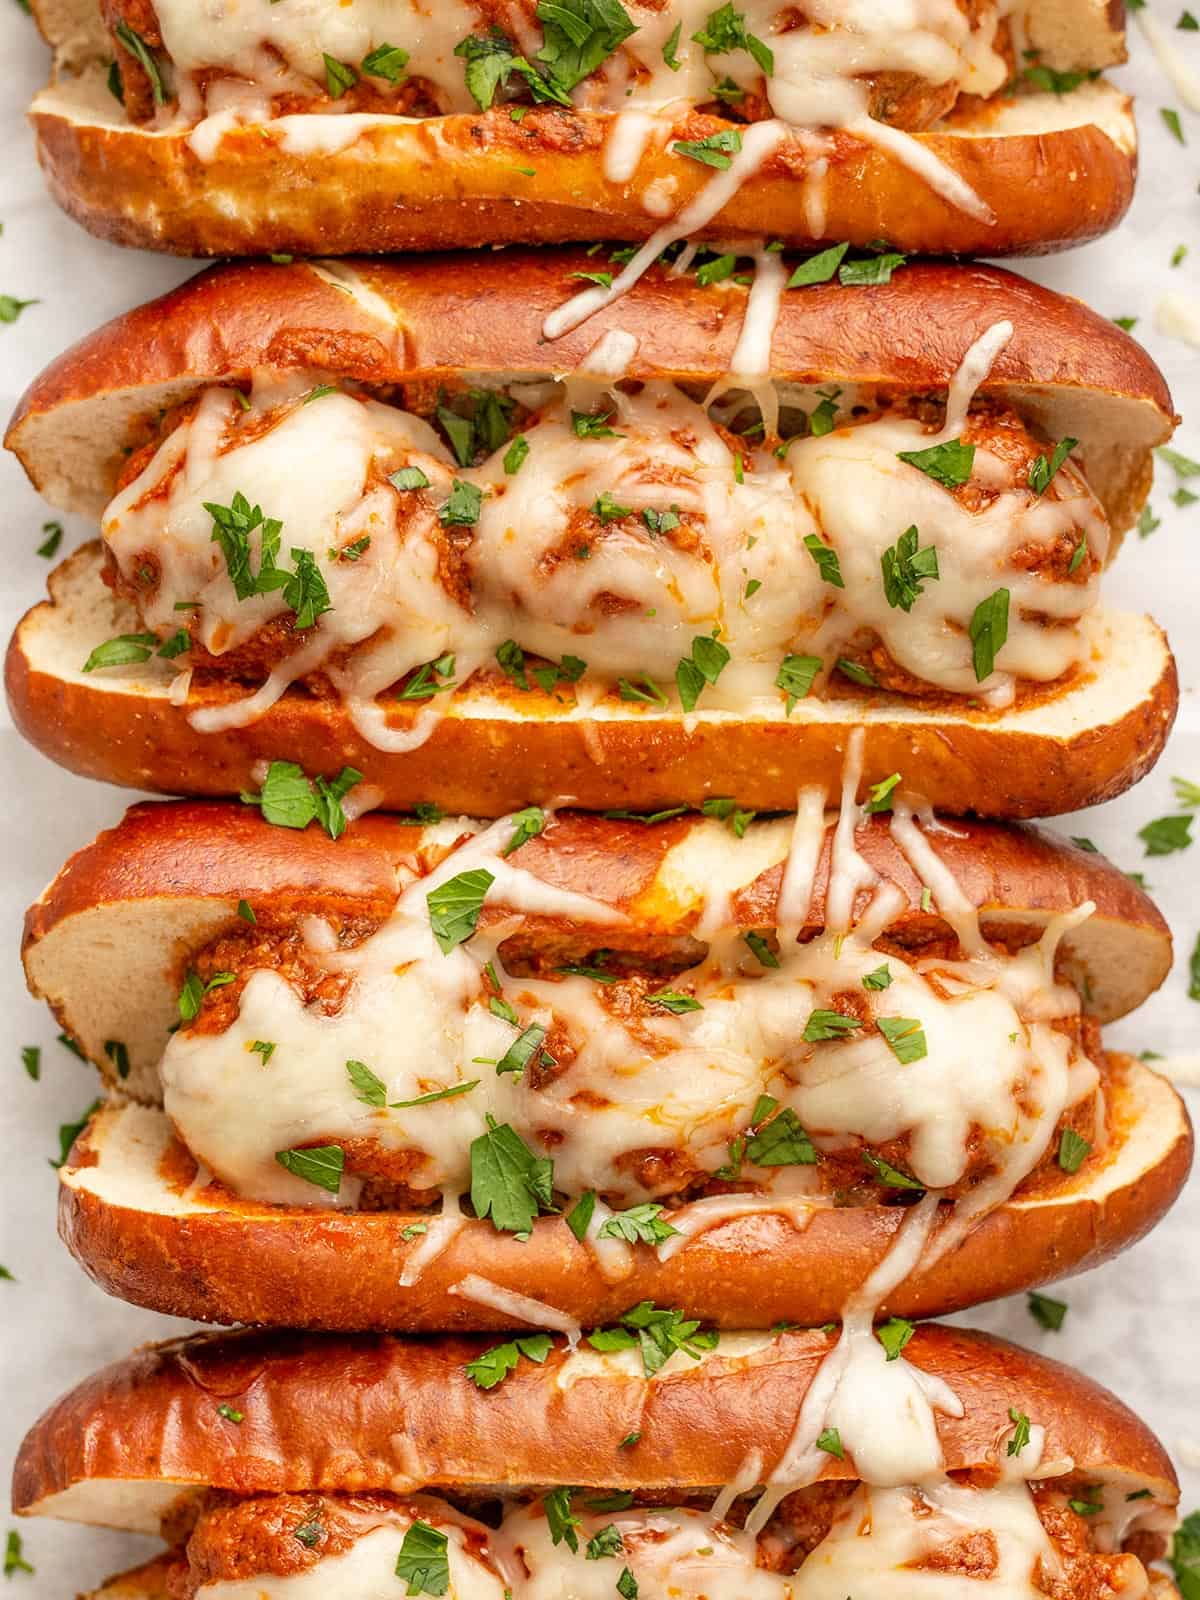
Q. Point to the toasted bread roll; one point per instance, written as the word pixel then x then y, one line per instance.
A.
pixel 594 587
pixel 647 1000
pixel 977 128
pixel 242 1450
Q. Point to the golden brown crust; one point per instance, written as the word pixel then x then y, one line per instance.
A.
pixel 461 186
pixel 248 1263
pixel 196 851
pixel 417 1418
pixel 486 761
pixel 484 314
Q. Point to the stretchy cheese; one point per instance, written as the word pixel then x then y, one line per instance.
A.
pixel 938 1541
pixel 966 1054
pixel 624 535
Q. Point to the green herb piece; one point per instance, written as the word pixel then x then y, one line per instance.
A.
pixel 509 1183
pixel 68 1132
pixel 715 151
pixel 1047 1313
pixel 905 1037
pixel 674 1002
pixel 527 825
pixel 593 425
pixel 452 1093
pixel 1172 122
pixel 454 906
pixel 891 1177
pixel 894 1335
pixel 716 270
pixel 579 1218
pixel 491 1368
pixel 761 950
pixel 949 464
pixel 368 1088
pixel 1042 472
pixel 855 672
pixel 127 649
pixel 781 1141
pixel 639 1225
pixel 702 668
pixel 523 1051
pixel 118 1054
pixel 423 684
pixel 725 31
pixel 140 52
pixel 823 1025
pixel 1073 1150
pixel 818 268
pixel 826 559
pixel 560 1519
pixel 1021 1428
pixel 880 797
pixel 607 1542
pixel 49 545
pixel 795 677
pixel 516 454
pixel 906 570
pixel 1184 1559
pixel 988 632
pixel 386 61
pixel 658 1332
pixel 424 1560
pixel 338 76
pixel 463 507
pixel 642 690
pixel 321 1165
pixel 1165 835
pixel 191 996
pixel 289 800
pixel 871 270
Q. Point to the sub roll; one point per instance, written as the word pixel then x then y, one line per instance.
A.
pixel 468 1075
pixel 950 127
pixel 445 523
pixel 685 1464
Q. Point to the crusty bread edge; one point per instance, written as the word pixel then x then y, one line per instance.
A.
pixel 245 1263
pixel 418 1419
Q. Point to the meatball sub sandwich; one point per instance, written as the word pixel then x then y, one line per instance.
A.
pixel 436 521
pixel 530 1073
pixel 907 1464
pixel 946 126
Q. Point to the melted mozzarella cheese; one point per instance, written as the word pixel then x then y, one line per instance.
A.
pixel 234 59
pixel 367 1570
pixel 877 1544
pixel 611 586
pixel 881 1537
pixel 994 1067
pixel 674 1554
pixel 280 49
pixel 975 552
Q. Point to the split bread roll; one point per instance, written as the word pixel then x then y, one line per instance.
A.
pixel 656 1061
pixel 978 128
pixel 368 515
pixel 290 1465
